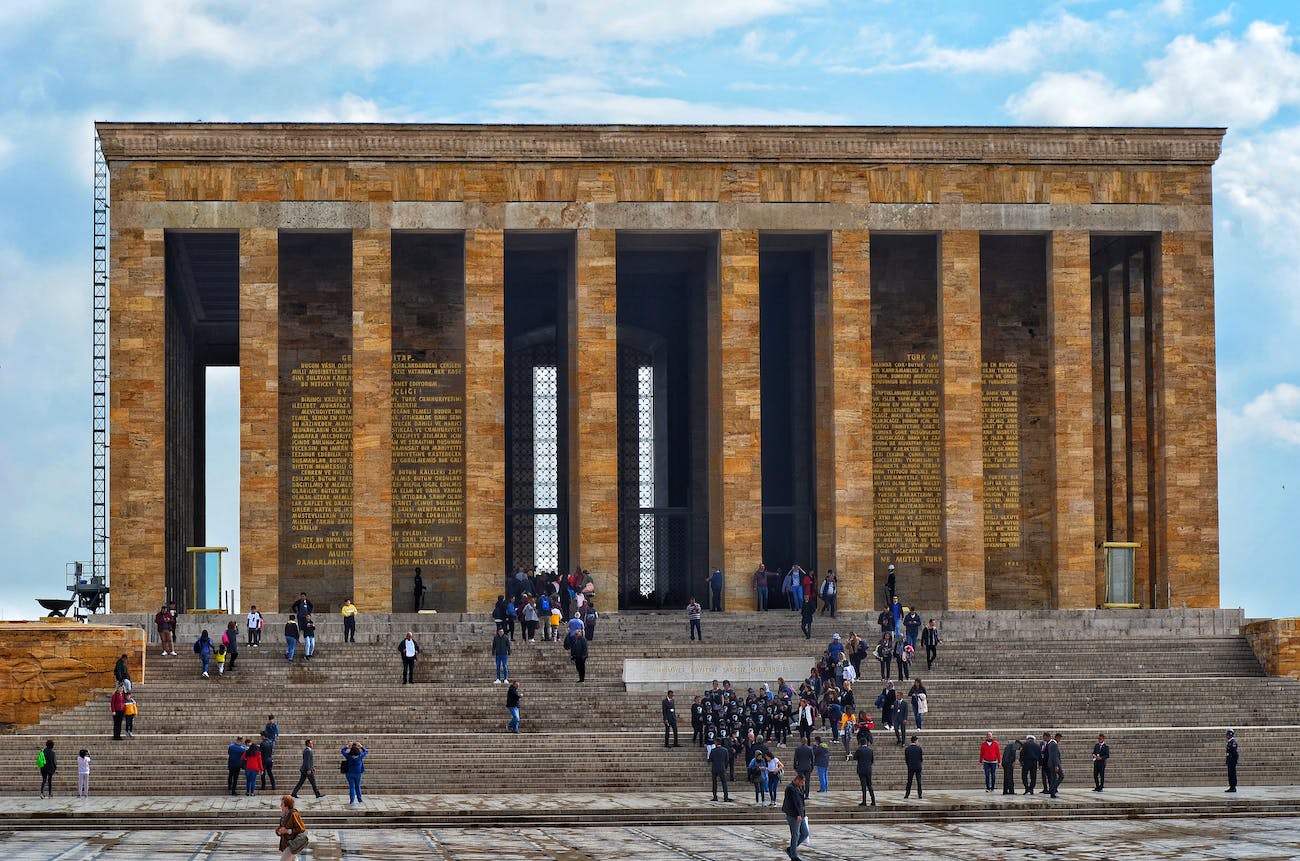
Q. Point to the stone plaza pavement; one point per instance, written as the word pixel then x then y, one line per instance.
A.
pixel 1188 823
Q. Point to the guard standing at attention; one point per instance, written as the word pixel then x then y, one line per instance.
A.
pixel 669 706
pixel 1231 761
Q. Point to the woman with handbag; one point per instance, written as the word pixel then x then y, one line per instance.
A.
pixel 292 831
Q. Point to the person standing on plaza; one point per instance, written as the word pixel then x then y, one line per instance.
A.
pixel 1030 753
pixel 47 762
pixel 694 612
pixel 1100 756
pixel 715 590
pixel 83 773
pixel 355 754
pixel 990 758
pixel 408 649
pixel 234 763
pixel 804 758
pixel 796 815
pixel 719 756
pixel 760 587
pixel 829 589
pixel 914 757
pixel 1230 760
pixel 291 830
pixel 669 709
pixel 866 758
pixel 1009 767
pixel 291 633
pixel 252 762
pixel 162 620
pixel 419 590
pixel 301 609
pixel 512 705
pixel 307 770
pixel 255 622
pixel 1042 761
pixel 579 648
pixel 930 639
pixel 501 656
pixel 1054 773
pixel 122 673
pixel 349 614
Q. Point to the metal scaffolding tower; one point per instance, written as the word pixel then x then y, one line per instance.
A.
pixel 99 381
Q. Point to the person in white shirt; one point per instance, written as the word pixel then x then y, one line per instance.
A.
pixel 254 627
pixel 83 773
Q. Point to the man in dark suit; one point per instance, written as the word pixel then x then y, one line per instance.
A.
pixel 307 771
pixel 1054 773
pixel 669 707
pixel 578 651
pixel 1009 767
pixel 803 760
pixel 1042 761
pixel 719 755
pixel 1231 761
pixel 1100 754
pixel 913 756
pixel 1030 754
pixel 866 758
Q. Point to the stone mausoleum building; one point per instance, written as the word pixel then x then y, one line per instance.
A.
pixel 975 353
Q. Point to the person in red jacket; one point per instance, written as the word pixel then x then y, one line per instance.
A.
pixel 118 706
pixel 252 767
pixel 990 757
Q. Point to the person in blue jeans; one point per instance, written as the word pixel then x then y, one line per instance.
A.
pixel 822 759
pixel 795 816
pixel 501 652
pixel 512 705
pixel 204 649
pixel 355 755
pixel 290 638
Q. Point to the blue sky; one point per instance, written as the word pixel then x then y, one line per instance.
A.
pixel 1167 62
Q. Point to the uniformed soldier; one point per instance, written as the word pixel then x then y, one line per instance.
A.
pixel 1231 761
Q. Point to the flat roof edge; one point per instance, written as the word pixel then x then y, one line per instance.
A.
pixel 147 141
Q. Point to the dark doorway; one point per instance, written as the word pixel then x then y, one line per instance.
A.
pixel 663 480
pixel 538 268
pixel 788 277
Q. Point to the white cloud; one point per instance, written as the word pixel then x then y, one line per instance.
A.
pixel 578 99
pixel 1022 49
pixel 6 147
pixel 1172 8
pixel 249 34
pixel 1238 82
pixel 1222 18
pixel 1260 177
pixel 1271 417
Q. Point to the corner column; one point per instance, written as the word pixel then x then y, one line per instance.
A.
pixel 963 428
pixel 485 452
pixel 372 420
pixel 137 403
pixel 594 501
pixel 1187 513
pixel 259 418
pixel 1069 303
pixel 851 417
pixel 740 424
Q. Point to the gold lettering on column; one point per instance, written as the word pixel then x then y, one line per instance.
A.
pixel 907 448
pixel 320 463
pixel 428 462
pixel 1002 481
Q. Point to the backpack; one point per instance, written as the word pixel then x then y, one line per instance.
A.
pixel 343 767
pixel 546 605
pixel 568 641
pixel 40 758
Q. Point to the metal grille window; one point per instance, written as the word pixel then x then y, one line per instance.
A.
pixel 645 416
pixel 546 473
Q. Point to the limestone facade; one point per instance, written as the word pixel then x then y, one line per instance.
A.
pixel 922 201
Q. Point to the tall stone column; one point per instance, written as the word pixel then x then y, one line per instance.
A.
pixel 259 418
pixel 485 452
pixel 137 401
pixel 740 424
pixel 594 502
pixel 1187 505
pixel 963 429
pixel 851 418
pixel 372 420
pixel 1069 303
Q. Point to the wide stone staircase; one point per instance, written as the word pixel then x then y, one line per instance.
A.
pixel 1162 699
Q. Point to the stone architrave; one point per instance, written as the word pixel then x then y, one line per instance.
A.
pixel 1069 299
pixel 259 418
pixel 963 429
pixel 595 502
pixel 485 453
pixel 372 415
pixel 740 424
pixel 851 420
pixel 1187 501
pixel 137 399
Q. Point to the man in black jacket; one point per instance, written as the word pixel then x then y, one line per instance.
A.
pixel 803 760
pixel 866 758
pixel 408 649
pixel 719 756
pixel 578 650
pixel 697 722
pixel 1054 773
pixel 268 757
pixel 301 609
pixel 796 815
pixel 669 708
pixel 930 639
pixel 1009 767
pixel 913 756
pixel 1100 755
pixel 307 771
pixel 1030 753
